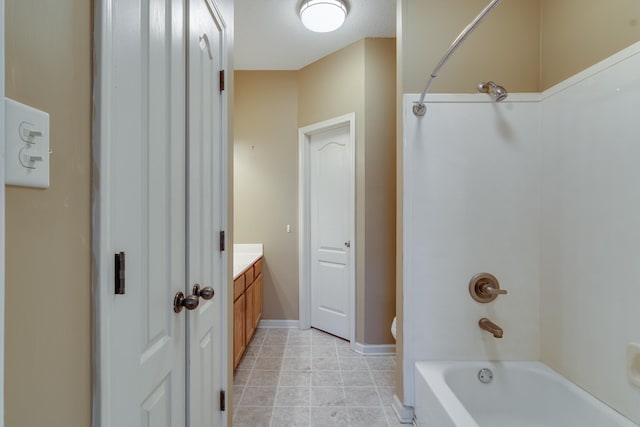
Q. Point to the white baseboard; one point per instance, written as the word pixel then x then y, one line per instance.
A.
pixel 375 349
pixel 404 413
pixel 287 324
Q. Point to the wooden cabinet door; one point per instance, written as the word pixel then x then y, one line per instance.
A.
pixel 238 287
pixel 238 329
pixel 248 320
pixel 257 301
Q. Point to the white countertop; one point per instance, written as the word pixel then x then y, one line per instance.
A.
pixel 245 254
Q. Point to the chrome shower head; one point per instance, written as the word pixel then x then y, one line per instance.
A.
pixel 497 93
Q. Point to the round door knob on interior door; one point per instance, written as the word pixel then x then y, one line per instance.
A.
pixel 205 293
pixel 190 302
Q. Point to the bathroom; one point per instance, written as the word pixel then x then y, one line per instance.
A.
pixel 541 44
pixel 535 53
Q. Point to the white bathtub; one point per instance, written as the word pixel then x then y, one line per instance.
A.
pixel 521 394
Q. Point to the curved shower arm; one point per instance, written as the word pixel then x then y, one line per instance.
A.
pixel 419 107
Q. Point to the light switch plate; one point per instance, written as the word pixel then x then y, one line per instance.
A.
pixel 26 134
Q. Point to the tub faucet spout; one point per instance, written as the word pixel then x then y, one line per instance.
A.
pixel 491 327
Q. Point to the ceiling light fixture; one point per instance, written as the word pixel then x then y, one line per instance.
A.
pixel 323 16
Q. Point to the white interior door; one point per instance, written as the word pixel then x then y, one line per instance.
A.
pixel 330 219
pixel 205 204
pixel 143 131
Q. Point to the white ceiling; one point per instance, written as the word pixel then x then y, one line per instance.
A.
pixel 270 36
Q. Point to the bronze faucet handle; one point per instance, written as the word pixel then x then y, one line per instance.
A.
pixel 486 288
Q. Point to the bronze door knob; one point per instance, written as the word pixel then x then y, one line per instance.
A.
pixel 205 293
pixel 190 302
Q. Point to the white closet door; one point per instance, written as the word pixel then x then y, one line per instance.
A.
pixel 205 205
pixel 143 97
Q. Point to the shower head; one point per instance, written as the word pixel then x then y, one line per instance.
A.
pixel 497 93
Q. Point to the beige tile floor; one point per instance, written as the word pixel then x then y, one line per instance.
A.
pixel 290 377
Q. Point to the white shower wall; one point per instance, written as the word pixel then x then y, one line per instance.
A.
pixel 590 282
pixel 471 205
pixel 543 191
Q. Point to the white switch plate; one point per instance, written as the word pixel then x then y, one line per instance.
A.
pixel 26 134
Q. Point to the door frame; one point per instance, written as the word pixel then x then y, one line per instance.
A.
pixel 216 11
pixel 304 235
pixel 2 217
pixel 101 204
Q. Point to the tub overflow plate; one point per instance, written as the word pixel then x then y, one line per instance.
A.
pixel 485 375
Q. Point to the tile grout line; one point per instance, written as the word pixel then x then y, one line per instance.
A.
pixel 244 389
pixel 375 387
pixel 273 406
pixel 344 392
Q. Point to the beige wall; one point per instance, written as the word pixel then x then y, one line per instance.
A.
pixel 525 45
pixel 324 95
pixel 505 48
pixel 366 86
pixel 361 79
pixel 266 180
pixel 48 316
pixel 380 191
pixel 331 87
pixel 576 34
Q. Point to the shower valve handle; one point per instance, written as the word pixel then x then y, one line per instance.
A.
pixel 486 288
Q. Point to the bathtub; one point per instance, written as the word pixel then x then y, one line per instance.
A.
pixel 521 394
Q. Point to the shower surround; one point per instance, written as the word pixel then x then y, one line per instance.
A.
pixel 541 192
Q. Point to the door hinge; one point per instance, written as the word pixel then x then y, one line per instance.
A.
pixel 119 273
pixel 221 80
pixel 222 241
pixel 223 401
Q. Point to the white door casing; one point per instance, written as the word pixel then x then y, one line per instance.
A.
pixel 2 217
pixel 327 226
pixel 205 212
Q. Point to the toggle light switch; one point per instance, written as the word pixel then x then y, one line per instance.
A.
pixel 27 132
pixel 27 160
pixel 26 145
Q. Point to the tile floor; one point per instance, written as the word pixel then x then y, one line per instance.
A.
pixel 290 377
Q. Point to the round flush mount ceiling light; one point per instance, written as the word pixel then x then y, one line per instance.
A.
pixel 323 16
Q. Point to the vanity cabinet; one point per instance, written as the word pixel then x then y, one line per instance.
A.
pixel 238 325
pixel 247 308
